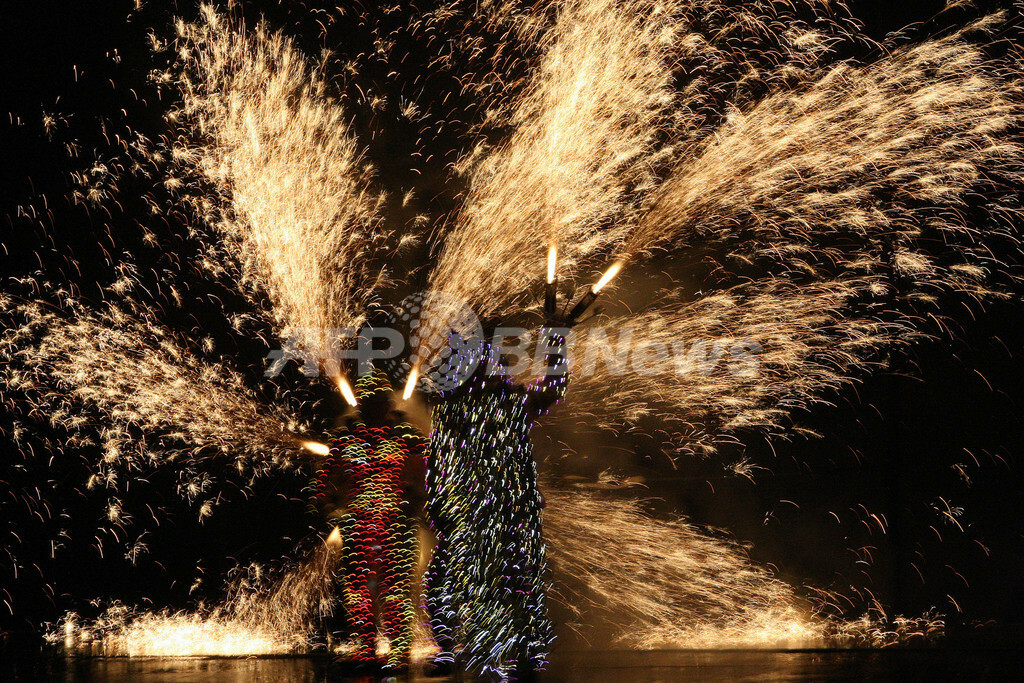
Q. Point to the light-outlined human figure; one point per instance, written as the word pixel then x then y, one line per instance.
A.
pixel 367 486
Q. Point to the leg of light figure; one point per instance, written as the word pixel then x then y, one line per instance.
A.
pixel 397 613
pixel 356 588
pixel 439 607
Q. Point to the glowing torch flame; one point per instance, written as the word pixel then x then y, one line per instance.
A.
pixel 334 539
pixel 552 262
pixel 346 390
pixel 410 383
pixel 612 271
pixel 317 448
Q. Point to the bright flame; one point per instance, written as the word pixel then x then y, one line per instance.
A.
pixel 334 539
pixel 317 448
pixel 552 262
pixel 346 390
pixel 410 384
pixel 612 271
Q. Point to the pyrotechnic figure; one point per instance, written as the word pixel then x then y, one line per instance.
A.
pixel 733 135
pixel 368 484
pixel 487 580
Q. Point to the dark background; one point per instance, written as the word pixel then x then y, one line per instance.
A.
pixel 890 443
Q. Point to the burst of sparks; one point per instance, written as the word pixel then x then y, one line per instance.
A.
pixel 843 188
pixel 585 132
pixel 295 203
pixel 136 376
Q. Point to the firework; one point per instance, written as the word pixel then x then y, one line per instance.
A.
pixel 288 187
pixel 262 615
pixel 153 402
pixel 643 574
pixel 873 153
pixel 827 210
pixel 744 358
pixel 586 130
pixel 660 583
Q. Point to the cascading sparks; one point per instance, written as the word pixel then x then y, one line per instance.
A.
pixel 830 204
pixel 294 199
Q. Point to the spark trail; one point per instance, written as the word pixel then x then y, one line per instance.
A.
pixel 116 377
pixel 658 583
pixel 874 152
pixel 680 368
pixel 262 615
pixel 290 189
pixel 586 130
pixel 665 584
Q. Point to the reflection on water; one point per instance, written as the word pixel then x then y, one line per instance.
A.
pixel 596 666
pixel 806 665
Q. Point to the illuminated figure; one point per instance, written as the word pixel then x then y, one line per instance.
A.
pixel 487 579
pixel 368 483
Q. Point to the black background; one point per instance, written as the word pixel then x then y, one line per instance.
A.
pixel 889 443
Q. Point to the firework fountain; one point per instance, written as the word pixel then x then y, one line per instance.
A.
pixel 829 208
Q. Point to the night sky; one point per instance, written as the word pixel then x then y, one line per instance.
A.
pixel 890 442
